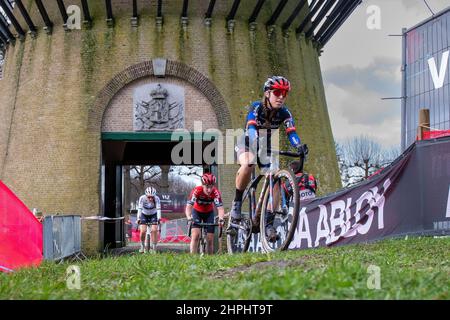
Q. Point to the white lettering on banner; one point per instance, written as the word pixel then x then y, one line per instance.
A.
pixel 304 223
pixel 379 203
pixel 322 233
pixel 336 223
pixel 447 215
pixel 348 223
pixel 366 196
pixel 438 79
pixel 340 222
pixel 307 194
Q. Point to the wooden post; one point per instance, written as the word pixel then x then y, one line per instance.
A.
pixel 424 122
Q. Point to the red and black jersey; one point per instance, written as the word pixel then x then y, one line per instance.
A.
pixel 307 186
pixel 306 181
pixel 203 202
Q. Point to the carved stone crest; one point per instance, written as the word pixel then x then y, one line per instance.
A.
pixel 158 108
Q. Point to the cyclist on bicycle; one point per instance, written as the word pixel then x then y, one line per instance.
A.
pixel 199 209
pixel 149 211
pixel 267 114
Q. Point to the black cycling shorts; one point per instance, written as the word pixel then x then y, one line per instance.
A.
pixel 242 146
pixel 153 218
pixel 201 217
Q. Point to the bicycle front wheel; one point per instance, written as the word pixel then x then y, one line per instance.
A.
pixel 280 212
pixel 202 246
pixel 238 241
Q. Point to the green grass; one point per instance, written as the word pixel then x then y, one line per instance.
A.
pixel 416 268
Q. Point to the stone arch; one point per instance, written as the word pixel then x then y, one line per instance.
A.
pixel 144 69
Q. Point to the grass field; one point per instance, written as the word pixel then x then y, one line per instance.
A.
pixel 414 268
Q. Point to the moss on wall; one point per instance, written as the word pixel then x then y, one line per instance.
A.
pixel 238 63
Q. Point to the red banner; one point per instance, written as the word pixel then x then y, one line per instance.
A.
pixel 435 134
pixel 20 233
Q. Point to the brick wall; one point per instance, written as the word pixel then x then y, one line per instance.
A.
pixel 57 88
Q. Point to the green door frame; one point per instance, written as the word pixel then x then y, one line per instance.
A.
pixel 154 136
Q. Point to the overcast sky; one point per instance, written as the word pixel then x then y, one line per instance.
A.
pixel 361 66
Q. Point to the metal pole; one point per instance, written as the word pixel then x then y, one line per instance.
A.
pixel 43 12
pixel 185 8
pixel 256 11
pixel 5 29
pixel 403 111
pixel 310 31
pixel 294 14
pixel 276 13
pixel 309 16
pixel 210 9
pixel 87 15
pixel 135 10
pixel 159 10
pixel 109 13
pixel 62 9
pixel 233 10
pixel 424 122
pixel 26 16
pixel 13 19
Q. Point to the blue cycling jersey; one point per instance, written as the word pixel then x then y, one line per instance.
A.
pixel 258 118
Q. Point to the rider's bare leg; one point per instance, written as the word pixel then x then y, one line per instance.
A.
pixel 195 236
pixel 210 241
pixel 154 237
pixel 243 176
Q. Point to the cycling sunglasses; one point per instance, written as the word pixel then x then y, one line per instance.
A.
pixel 279 92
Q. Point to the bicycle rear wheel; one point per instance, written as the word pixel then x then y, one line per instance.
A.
pixel 240 240
pixel 281 210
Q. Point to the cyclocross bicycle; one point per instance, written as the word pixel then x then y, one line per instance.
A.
pixel 202 242
pixel 148 232
pixel 278 205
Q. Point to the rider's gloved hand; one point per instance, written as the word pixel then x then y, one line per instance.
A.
pixel 221 222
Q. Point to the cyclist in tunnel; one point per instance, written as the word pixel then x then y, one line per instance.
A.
pixel 149 215
pixel 200 209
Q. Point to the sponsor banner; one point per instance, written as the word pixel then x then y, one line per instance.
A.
pixel 411 196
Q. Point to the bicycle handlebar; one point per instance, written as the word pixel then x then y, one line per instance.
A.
pixel 202 224
pixel 289 154
pixel 292 154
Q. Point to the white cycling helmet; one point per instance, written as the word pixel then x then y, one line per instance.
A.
pixel 150 191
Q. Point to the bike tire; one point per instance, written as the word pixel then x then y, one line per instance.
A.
pixel 283 243
pixel 241 242
pixel 203 242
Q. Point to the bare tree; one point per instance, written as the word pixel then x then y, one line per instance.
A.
pixel 364 153
pixel 144 176
pixel 181 179
pixel 360 157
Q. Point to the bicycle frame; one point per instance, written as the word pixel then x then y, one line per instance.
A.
pixel 273 198
pixel 204 232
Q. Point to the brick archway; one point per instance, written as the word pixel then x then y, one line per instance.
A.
pixel 144 69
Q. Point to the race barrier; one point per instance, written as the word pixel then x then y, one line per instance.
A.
pixel 20 233
pixel 175 231
pixel 409 197
pixel 62 236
